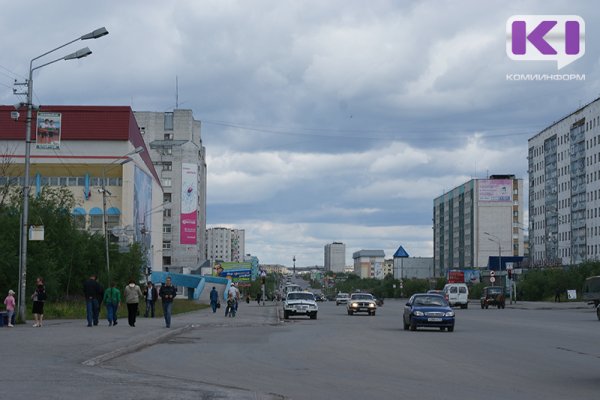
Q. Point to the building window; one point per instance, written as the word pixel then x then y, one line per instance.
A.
pixel 167 213
pixel 167 166
pixel 166 181
pixel 96 221
pixel 168 136
pixel 168 121
pixel 79 221
pixel 167 245
pixel 166 261
pixel 167 228
pixel 167 151
pixel 112 221
pixel 166 197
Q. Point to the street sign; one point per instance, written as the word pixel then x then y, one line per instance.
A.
pixel 492 273
pixel 492 279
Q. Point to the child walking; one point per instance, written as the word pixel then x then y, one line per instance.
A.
pixel 9 301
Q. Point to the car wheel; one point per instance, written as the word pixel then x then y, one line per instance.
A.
pixel 350 312
pixel 405 325
pixel 372 313
pixel 313 316
pixel 466 306
pixel 486 306
pixel 598 313
pixel 482 306
pixel 286 315
pixel 450 329
pixel 413 326
pixel 337 304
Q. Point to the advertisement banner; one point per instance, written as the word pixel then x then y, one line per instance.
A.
pixel 47 134
pixel 189 204
pixel 497 190
pixel 236 271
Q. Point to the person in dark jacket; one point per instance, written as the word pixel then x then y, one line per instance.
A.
pixel 92 292
pixel 214 299
pixel 167 293
pixel 151 294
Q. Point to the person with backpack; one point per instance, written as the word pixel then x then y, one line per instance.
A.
pixel 39 297
pixel 112 300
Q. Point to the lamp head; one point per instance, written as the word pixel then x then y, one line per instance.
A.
pixel 98 33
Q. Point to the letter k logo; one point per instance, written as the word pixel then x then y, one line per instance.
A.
pixel 536 37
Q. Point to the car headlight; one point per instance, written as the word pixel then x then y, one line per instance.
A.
pixel 371 305
pixel 418 313
pixel 449 314
pixel 354 304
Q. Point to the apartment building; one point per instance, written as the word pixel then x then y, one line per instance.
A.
pixel 225 244
pixel 335 257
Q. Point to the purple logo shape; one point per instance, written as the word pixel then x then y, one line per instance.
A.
pixel 559 38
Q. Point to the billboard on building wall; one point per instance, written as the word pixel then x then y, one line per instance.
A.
pixel 496 190
pixel 189 204
pixel 47 134
pixel 142 211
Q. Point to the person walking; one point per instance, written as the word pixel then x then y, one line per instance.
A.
pixel 167 293
pixel 112 300
pixel 230 309
pixel 38 297
pixel 93 292
pixel 214 299
pixel 9 302
pixel 151 294
pixel 235 293
pixel 132 295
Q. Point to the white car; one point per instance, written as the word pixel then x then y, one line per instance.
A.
pixel 300 303
pixel 341 298
pixel 457 294
pixel 361 302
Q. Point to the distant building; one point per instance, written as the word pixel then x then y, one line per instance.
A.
pixel 369 263
pixel 275 269
pixel 225 244
pixel 388 267
pixel 406 267
pixel 476 220
pixel 564 189
pixel 335 257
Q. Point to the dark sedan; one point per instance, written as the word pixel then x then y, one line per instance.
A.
pixel 428 310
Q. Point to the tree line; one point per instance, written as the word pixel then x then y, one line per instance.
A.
pixel 67 256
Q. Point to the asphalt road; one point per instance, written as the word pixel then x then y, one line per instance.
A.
pixel 527 351
pixel 493 354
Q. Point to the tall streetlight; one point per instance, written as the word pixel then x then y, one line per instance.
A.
pixel 84 52
pixel 104 191
pixel 294 260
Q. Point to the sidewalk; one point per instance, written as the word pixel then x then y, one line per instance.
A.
pixel 548 305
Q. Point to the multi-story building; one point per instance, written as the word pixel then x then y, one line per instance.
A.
pixel 564 189
pixel 369 263
pixel 99 155
pixel 225 244
pixel 476 220
pixel 335 257
pixel 179 157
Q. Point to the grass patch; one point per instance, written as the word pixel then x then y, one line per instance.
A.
pixel 75 309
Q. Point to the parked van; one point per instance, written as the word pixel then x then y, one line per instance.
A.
pixel 457 294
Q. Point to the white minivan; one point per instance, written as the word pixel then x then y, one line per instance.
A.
pixel 457 294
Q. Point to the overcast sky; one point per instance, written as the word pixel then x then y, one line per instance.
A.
pixel 323 120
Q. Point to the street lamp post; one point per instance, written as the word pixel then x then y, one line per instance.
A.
pixel 294 260
pixel 84 52
pixel 104 191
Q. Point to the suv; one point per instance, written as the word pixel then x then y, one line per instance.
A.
pixel 493 296
pixel 361 302
pixel 457 294
pixel 341 298
pixel 300 303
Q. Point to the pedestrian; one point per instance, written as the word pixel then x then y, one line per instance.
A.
pixel 9 302
pixel 248 298
pixel 167 293
pixel 151 294
pixel 132 295
pixel 230 309
pixel 557 295
pixel 39 297
pixel 235 293
pixel 214 299
pixel 258 298
pixel 112 301
pixel 93 292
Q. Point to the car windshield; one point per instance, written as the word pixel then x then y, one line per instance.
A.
pixel 342 295
pixel 494 290
pixel 362 297
pixel 429 301
pixel 300 296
